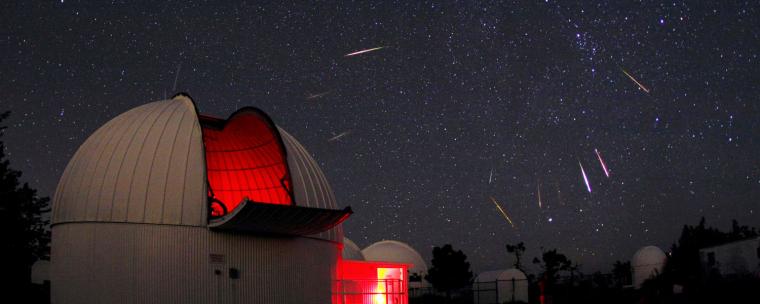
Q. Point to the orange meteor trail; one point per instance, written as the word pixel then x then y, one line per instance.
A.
pixel 503 213
pixel 539 195
pixel 641 86
pixel 364 51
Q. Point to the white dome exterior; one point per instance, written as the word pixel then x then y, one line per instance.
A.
pixel 130 224
pixel 40 272
pixel 351 251
pixel 646 263
pixel 497 286
pixel 513 273
pixel 395 251
pixel 488 276
pixel 147 165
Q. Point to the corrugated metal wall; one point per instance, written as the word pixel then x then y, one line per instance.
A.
pixel 148 263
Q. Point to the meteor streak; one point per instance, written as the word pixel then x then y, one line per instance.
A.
pixel 490 177
pixel 585 179
pixel 599 156
pixel 336 137
pixel 176 77
pixel 318 95
pixel 539 195
pixel 503 213
pixel 364 51
pixel 641 86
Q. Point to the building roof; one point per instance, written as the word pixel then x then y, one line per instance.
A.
pixel 501 275
pixel 149 165
pixel 649 255
pixel 395 251
pixel 351 251
pixel 732 243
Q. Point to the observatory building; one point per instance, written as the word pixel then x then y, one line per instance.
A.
pixel 163 205
pixel 647 263
pixel 500 286
pixel 736 258
pixel 395 251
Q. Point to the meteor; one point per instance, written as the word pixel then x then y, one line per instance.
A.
pixel 585 179
pixel 641 86
pixel 336 137
pixel 176 77
pixel 599 156
pixel 490 177
pixel 539 194
pixel 503 213
pixel 364 51
pixel 318 95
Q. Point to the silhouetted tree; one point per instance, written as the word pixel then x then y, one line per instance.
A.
pixel 683 266
pixel 622 273
pixel 450 270
pixel 518 250
pixel 23 230
pixel 552 263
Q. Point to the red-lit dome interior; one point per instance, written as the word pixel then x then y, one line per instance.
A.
pixel 245 158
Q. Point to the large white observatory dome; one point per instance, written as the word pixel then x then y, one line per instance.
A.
pixel 646 263
pixel 164 205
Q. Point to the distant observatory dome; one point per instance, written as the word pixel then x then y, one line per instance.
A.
pixel 351 251
pixel 647 262
pixel 395 251
pixel 41 272
pixel 511 286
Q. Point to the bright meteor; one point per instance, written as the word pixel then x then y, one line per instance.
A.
pixel 599 156
pixel 503 213
pixel 364 51
pixel 585 179
pixel 641 86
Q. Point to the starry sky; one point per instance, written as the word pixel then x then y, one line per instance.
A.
pixel 464 101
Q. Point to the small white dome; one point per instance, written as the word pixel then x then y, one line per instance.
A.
pixel 41 272
pixel 513 273
pixel 648 255
pixel 351 251
pixel 395 251
pixel 646 263
pixel 500 286
pixel 488 276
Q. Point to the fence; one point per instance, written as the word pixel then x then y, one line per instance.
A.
pixel 500 291
pixel 370 291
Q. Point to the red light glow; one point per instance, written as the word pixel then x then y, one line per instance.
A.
pixel 245 158
pixel 365 282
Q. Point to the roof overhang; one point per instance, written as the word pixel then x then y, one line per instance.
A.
pixel 252 217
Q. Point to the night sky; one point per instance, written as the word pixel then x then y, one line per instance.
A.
pixel 516 93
